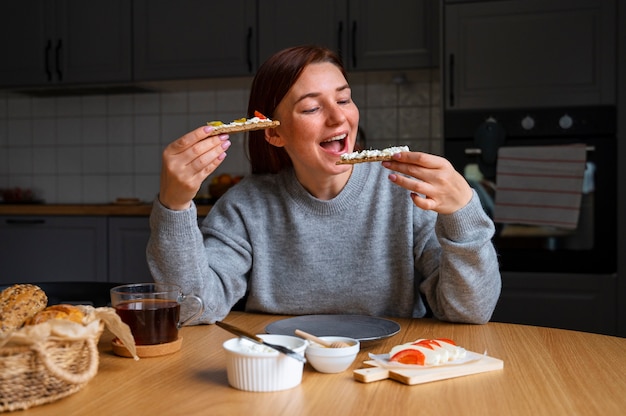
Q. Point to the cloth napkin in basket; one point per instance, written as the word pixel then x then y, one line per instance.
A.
pixel 540 185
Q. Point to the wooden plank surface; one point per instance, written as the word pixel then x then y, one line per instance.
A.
pixel 375 372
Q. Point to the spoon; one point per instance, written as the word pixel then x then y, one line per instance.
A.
pixel 251 337
pixel 327 344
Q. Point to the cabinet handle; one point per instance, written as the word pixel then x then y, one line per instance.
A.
pixel 354 44
pixel 47 59
pixel 24 221
pixel 340 39
pixel 249 49
pixel 58 59
pixel 451 80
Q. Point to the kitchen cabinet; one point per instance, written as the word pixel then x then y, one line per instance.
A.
pixel 65 42
pixel 73 248
pixel 53 248
pixel 368 34
pixel 529 53
pixel 194 38
pixel 128 238
pixel 581 302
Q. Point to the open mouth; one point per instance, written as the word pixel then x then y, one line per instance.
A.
pixel 335 144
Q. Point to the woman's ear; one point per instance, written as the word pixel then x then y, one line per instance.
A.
pixel 273 138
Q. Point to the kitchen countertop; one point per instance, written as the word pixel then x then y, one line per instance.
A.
pixel 137 210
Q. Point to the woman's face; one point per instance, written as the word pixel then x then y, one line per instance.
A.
pixel 319 121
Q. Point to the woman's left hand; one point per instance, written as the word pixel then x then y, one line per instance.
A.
pixel 434 183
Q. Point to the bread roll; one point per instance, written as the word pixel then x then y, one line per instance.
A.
pixel 18 303
pixel 61 311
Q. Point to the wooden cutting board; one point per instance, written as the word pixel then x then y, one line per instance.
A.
pixel 374 372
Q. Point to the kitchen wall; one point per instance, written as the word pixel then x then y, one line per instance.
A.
pixel 96 148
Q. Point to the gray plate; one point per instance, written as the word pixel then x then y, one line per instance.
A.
pixel 361 327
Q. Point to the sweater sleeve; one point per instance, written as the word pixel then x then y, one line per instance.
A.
pixel 462 283
pixel 176 253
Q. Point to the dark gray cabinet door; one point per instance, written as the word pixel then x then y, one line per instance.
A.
pixel 578 302
pixel 94 41
pixel 65 42
pixel 286 23
pixel 25 43
pixel 53 248
pixel 194 38
pixel 392 34
pixel 529 53
pixel 368 34
pixel 128 238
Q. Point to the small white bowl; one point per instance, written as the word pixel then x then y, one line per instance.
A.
pixel 332 360
pixel 253 367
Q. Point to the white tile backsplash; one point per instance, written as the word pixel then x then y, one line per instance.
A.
pixel 21 160
pixel 44 132
pixel 19 132
pixel 93 130
pixel 94 160
pixel 69 160
pixel 120 160
pixel 69 131
pixel 44 160
pixel 94 105
pixel 146 129
pixel 120 129
pixel 96 148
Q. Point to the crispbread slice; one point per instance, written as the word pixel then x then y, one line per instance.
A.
pixel 364 160
pixel 371 155
pixel 237 128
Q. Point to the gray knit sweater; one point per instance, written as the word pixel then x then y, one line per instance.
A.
pixel 368 251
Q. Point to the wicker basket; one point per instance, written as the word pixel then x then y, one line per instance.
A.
pixel 31 375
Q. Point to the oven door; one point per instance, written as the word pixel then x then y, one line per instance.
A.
pixel 590 248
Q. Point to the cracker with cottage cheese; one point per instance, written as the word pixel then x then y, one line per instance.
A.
pixel 258 122
pixel 371 155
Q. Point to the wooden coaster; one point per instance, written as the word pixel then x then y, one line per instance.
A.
pixel 146 351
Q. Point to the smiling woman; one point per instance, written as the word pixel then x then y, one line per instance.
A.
pixel 289 229
pixel 266 157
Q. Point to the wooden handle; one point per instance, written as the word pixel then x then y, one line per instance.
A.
pixel 312 337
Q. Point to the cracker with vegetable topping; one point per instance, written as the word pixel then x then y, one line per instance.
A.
pixel 258 122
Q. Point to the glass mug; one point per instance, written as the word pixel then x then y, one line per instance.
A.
pixel 152 310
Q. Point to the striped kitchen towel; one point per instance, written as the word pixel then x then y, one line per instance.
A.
pixel 540 185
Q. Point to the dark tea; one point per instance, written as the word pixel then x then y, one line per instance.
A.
pixel 152 321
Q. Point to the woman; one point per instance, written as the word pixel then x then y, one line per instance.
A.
pixel 303 235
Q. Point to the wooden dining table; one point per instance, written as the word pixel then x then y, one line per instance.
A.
pixel 546 371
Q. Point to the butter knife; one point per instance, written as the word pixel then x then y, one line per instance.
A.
pixel 244 334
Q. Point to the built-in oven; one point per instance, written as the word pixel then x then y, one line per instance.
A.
pixel 473 139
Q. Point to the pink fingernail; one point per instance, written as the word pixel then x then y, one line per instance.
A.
pixel 226 145
pixel 222 156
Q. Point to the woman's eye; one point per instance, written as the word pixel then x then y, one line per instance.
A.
pixel 310 110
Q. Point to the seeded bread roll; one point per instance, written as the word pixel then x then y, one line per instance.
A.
pixel 18 303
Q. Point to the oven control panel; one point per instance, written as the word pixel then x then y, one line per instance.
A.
pixel 578 121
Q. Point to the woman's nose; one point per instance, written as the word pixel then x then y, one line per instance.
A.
pixel 336 115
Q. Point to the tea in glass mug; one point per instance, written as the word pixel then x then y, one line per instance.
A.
pixel 152 310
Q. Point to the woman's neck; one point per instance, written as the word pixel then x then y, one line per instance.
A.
pixel 325 188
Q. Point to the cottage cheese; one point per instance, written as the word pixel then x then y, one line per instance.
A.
pixel 366 154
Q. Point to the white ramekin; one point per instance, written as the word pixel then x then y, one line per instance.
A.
pixel 259 369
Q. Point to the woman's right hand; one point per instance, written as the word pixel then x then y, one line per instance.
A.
pixel 187 162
